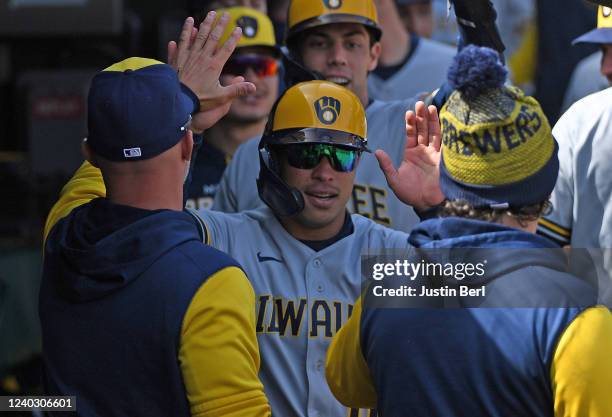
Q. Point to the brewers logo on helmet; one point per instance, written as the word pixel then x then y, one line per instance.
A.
pixel 307 14
pixel 313 112
pixel 257 29
pixel 328 109
pixel 333 4
pixel 248 26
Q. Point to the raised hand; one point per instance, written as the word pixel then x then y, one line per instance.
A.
pixel 417 180
pixel 199 60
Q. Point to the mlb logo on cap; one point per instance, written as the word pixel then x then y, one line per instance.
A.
pixel 132 153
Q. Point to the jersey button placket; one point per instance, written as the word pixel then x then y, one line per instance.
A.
pixel 312 281
pixel 317 264
pixel 315 365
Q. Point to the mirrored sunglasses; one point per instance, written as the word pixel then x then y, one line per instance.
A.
pixel 262 66
pixel 309 155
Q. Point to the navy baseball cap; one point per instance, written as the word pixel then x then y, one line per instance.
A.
pixel 137 109
pixel 603 33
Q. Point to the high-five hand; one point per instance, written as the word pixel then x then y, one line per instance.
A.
pixel 199 60
pixel 417 181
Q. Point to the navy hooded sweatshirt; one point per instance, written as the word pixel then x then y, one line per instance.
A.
pixel 116 284
pixel 440 362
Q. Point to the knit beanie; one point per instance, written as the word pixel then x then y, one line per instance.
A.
pixel 497 146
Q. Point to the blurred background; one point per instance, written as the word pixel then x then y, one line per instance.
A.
pixel 50 49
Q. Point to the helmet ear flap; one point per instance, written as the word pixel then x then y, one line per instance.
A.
pixel 277 194
pixel 267 158
pixel 284 200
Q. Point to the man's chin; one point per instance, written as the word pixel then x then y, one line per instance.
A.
pixel 320 218
pixel 316 223
pixel 244 117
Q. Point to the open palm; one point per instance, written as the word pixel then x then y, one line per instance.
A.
pixel 417 180
pixel 199 59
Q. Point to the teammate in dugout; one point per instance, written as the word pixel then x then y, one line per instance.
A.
pixel 582 199
pixel 548 357
pixel 139 317
pixel 410 64
pixel 256 59
pixel 340 41
pixel 301 252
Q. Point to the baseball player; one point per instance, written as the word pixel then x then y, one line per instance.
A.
pixel 301 250
pixel 138 317
pixel 339 40
pixel 581 214
pixel 538 343
pixel 582 198
pixel 594 73
pixel 256 59
pixel 405 54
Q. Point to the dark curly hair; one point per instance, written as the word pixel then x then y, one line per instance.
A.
pixel 523 215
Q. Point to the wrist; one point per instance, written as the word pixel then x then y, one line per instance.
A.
pixel 429 204
pixel 426 213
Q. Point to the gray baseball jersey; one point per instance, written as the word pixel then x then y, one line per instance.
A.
pixel 303 297
pixel 586 79
pixel 372 197
pixel 582 198
pixel 424 72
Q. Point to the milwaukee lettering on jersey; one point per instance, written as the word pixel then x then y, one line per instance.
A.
pixel 320 318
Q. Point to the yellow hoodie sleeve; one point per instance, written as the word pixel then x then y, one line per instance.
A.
pixel 346 370
pixel 582 366
pixel 219 354
pixel 85 185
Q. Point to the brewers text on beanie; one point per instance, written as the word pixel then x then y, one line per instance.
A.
pixel 497 146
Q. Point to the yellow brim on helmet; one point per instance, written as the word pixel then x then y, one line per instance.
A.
pixel 308 14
